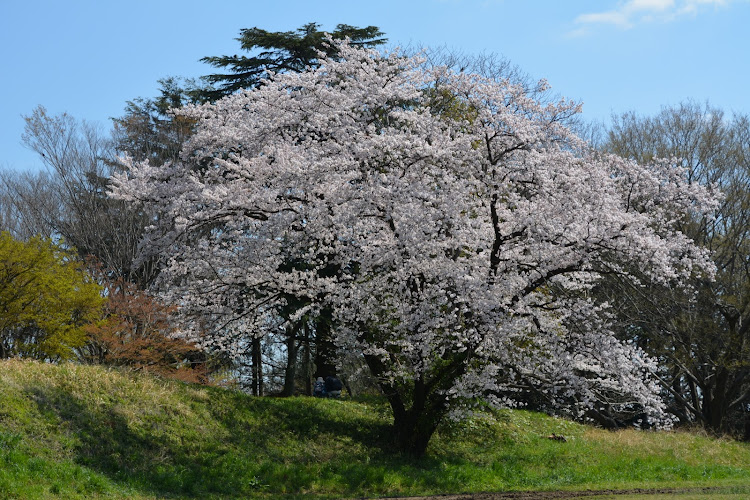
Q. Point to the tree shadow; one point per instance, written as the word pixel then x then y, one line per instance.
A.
pixel 249 447
pixel 155 463
pixel 263 420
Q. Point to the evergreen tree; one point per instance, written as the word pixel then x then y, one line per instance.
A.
pixel 279 52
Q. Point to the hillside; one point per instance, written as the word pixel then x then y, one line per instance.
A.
pixel 74 431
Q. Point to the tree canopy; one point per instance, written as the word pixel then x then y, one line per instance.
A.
pixel 452 223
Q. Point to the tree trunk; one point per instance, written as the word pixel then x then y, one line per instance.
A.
pixel 716 402
pixel 418 409
pixel 257 367
pixel 307 361
pixel 290 374
pixel 325 349
pixel 694 396
pixel 345 382
pixel 415 427
pixel 680 408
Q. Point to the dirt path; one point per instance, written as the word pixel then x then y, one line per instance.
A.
pixel 554 495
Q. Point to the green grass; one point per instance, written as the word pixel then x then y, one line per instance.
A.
pixel 73 431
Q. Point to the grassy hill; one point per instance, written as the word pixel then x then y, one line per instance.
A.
pixel 74 431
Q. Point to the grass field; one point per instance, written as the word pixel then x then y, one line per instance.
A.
pixel 73 431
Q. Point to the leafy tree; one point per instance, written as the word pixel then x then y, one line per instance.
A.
pixel 139 332
pixel 279 52
pixel 46 299
pixel 701 333
pixel 149 130
pixel 456 250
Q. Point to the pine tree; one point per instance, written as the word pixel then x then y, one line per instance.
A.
pixel 279 52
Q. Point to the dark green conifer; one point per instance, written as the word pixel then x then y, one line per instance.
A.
pixel 278 52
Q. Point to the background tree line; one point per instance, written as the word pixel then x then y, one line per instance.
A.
pixel 699 336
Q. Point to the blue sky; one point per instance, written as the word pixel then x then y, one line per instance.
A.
pixel 87 58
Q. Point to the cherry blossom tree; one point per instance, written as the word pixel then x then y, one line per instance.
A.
pixel 452 223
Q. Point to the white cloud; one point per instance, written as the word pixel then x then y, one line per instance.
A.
pixel 632 12
pixel 612 17
pixel 654 5
pixel 691 6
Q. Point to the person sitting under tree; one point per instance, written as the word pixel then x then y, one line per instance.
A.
pixel 333 387
pixel 319 389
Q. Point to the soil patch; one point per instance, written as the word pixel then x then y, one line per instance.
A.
pixel 553 495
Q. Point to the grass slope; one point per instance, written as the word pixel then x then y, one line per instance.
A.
pixel 75 431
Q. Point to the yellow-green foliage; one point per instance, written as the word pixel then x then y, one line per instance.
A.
pixel 46 297
pixel 451 106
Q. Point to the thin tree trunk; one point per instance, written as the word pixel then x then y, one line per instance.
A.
pixel 694 395
pixel 680 408
pixel 257 367
pixel 307 361
pixel 290 374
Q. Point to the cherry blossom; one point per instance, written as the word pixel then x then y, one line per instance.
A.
pixel 453 223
